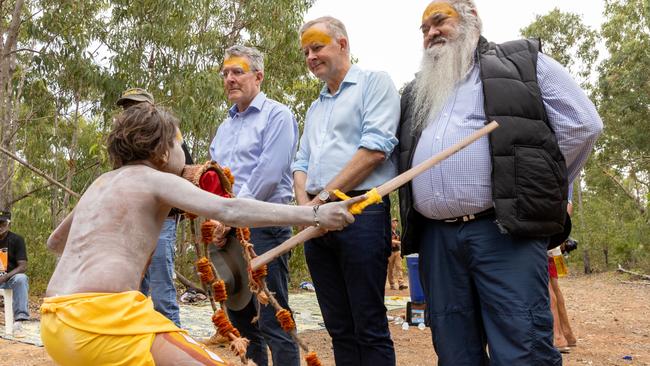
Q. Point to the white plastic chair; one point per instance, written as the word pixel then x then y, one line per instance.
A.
pixel 9 310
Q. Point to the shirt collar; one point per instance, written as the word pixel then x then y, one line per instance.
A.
pixel 351 77
pixel 256 104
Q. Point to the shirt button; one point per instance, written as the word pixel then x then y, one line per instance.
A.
pixel 437 194
pixel 437 137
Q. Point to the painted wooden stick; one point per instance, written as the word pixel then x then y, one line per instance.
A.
pixel 384 189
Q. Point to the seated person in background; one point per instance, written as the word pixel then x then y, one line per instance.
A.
pixel 94 313
pixel 13 264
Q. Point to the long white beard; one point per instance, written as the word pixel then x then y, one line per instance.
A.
pixel 441 69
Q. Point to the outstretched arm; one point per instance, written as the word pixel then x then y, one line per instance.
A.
pixel 58 238
pixel 178 192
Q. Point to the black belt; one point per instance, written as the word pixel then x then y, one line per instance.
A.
pixel 467 218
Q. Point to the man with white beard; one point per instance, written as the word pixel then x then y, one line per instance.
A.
pixel 481 220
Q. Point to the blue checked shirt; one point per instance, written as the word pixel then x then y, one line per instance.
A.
pixel 258 146
pixel 364 112
pixel 461 184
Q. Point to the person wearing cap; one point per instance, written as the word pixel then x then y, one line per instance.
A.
pixel 395 272
pixel 257 141
pixel 158 280
pixel 347 144
pixel 481 220
pixel 13 264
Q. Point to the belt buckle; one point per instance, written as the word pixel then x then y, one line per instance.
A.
pixel 450 221
pixel 468 218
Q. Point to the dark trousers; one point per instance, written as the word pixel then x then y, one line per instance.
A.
pixel 267 331
pixel 486 288
pixel 348 269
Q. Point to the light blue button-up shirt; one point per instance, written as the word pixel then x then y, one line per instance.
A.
pixel 364 112
pixel 258 145
pixel 461 185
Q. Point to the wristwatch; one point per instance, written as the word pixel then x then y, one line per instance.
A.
pixel 324 196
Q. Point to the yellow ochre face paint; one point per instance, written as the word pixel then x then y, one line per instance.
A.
pixel 179 136
pixel 439 8
pixel 314 35
pixel 237 61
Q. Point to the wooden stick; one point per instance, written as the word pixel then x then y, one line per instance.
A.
pixel 621 269
pixel 384 189
pixel 39 172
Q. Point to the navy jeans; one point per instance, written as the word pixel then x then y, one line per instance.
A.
pixel 267 331
pixel 486 288
pixel 159 277
pixel 348 269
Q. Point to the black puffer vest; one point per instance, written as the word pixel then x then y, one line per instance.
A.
pixel 529 176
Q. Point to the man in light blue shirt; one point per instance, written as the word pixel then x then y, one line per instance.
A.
pixel 481 220
pixel 258 142
pixel 347 144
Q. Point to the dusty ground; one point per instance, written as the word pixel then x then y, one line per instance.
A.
pixel 610 318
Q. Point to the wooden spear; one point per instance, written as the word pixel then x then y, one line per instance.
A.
pixel 384 189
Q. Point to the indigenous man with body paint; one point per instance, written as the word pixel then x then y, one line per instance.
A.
pixel 481 220
pixel 158 280
pixel 347 144
pixel 93 313
pixel 257 142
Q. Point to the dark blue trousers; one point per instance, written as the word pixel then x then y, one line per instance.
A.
pixel 485 288
pixel 348 269
pixel 267 331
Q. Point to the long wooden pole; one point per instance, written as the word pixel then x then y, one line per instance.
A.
pixel 39 172
pixel 384 189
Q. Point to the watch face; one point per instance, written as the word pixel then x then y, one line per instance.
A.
pixel 324 196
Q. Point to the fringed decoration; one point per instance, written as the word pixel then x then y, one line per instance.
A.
pixel 205 270
pixel 207 231
pixel 228 174
pixel 312 359
pixel 244 234
pixel 219 291
pixel 224 327
pixel 285 319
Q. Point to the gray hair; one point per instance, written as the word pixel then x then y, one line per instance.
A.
pixel 252 54
pixel 465 9
pixel 335 27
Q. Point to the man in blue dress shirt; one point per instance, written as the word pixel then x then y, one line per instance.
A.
pixel 481 220
pixel 258 142
pixel 347 144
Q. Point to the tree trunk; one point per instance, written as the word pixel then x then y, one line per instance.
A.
pixel 585 251
pixel 7 68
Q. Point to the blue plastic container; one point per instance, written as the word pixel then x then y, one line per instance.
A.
pixel 415 287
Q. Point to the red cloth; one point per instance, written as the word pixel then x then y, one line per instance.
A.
pixel 552 270
pixel 209 181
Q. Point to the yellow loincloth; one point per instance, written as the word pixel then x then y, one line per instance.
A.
pixel 109 329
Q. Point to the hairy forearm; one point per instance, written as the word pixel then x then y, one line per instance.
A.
pixel 363 163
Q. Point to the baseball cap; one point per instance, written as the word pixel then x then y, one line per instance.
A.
pixel 135 94
pixel 5 216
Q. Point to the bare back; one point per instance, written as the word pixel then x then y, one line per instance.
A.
pixel 113 233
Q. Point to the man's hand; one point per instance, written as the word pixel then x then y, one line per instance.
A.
pixel 336 215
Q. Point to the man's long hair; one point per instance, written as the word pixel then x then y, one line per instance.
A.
pixel 443 67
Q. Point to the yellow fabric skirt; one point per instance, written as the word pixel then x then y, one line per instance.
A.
pixel 104 329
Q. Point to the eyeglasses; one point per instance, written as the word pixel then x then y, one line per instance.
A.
pixel 236 72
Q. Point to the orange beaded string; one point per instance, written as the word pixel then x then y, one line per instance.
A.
pixel 285 319
pixel 219 291
pixel 224 327
pixel 312 359
pixel 207 231
pixel 205 270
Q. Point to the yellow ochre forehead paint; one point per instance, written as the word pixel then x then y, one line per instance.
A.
pixel 179 136
pixel 439 8
pixel 314 35
pixel 237 61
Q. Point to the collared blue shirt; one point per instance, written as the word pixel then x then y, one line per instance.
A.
pixel 364 112
pixel 461 185
pixel 258 146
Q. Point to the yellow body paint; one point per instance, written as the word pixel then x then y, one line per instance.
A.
pixel 237 61
pixel 179 136
pixel 314 35
pixel 439 7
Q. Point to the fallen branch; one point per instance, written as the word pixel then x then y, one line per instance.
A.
pixel 621 269
pixel 384 189
pixel 636 283
pixel 189 284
